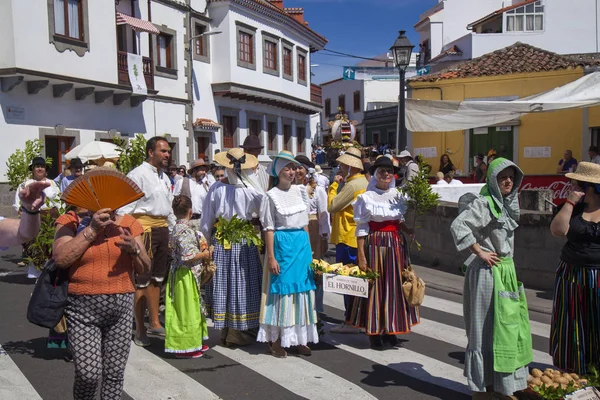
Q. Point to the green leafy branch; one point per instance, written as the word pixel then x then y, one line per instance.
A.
pixel 235 231
pixel 131 152
pixel 40 249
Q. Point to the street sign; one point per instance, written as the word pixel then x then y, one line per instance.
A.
pixel 424 70
pixel 349 73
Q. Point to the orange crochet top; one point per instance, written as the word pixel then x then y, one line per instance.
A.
pixel 103 268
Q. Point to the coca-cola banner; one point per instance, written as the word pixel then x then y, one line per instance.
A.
pixel 559 184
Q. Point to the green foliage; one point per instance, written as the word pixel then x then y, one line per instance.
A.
pixel 18 163
pixel 131 152
pixel 40 249
pixel 340 145
pixel 552 393
pixel 235 231
pixel 421 198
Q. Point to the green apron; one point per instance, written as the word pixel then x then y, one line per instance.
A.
pixel 512 334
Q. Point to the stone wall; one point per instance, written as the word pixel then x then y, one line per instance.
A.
pixel 7 198
pixel 536 250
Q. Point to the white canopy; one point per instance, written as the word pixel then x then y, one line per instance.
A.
pixel 445 116
pixel 93 151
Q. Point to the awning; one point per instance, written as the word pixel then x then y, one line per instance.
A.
pixel 138 25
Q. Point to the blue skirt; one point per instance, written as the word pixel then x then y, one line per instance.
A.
pixel 294 255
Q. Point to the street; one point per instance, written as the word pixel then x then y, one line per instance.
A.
pixel 427 366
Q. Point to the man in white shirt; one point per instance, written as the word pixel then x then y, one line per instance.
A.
pixel 76 167
pixel 321 179
pixel 440 179
pixel 411 168
pixel 593 153
pixel 252 146
pixel 196 189
pixel 154 211
pixel 449 177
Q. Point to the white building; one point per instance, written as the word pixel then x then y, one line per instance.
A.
pixel 64 74
pixel 375 84
pixel 457 30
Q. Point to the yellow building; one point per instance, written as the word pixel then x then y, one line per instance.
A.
pixel 514 72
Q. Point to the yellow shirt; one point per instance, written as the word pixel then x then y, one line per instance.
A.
pixel 340 206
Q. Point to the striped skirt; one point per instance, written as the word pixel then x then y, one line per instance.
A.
pixel 575 329
pixel 385 311
pixel 233 295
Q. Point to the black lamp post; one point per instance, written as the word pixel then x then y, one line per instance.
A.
pixel 402 50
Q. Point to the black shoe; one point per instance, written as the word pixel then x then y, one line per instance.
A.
pixel 376 342
pixel 391 339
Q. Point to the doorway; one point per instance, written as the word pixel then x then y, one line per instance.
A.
pixel 482 140
pixel 202 144
pixel 56 148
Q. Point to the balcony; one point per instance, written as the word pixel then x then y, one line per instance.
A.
pixel 316 94
pixel 124 74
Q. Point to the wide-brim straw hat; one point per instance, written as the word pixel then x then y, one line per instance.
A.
pixel 226 158
pixel 352 158
pixel 586 172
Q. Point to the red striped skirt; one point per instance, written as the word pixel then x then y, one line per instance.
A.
pixel 385 311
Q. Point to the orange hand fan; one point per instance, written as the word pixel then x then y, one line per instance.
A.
pixel 102 188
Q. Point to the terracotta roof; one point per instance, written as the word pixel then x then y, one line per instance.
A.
pixel 514 59
pixel 206 123
pixel 452 51
pixel 294 10
pixel 499 12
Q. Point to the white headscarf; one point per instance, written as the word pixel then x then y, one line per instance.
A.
pixel 249 178
pixel 373 182
pixel 276 166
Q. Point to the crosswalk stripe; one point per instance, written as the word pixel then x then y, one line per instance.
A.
pixel 13 383
pixel 149 377
pixel 297 375
pixel 451 307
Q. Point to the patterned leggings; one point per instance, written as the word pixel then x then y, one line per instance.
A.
pixel 100 338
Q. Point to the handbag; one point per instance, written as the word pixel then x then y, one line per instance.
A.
pixel 49 298
pixel 413 287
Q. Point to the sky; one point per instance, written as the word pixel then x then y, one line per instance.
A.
pixel 365 28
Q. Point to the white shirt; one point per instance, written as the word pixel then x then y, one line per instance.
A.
pixel 455 182
pixel 209 179
pixel 225 201
pixel 322 180
pixel 285 209
pixel 52 193
pixel 158 198
pixel 442 182
pixel 197 190
pixel 262 176
pixel 317 205
pixel 596 160
pixel 378 205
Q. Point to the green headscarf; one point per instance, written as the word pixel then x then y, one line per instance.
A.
pixel 506 207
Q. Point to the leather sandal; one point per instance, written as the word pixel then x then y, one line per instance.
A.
pixel 238 338
pixel 303 350
pixel 276 349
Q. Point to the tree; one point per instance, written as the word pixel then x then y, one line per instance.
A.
pixel 131 152
pixel 18 163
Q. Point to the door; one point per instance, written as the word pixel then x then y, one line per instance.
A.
pixel 56 148
pixel 202 147
pixel 482 140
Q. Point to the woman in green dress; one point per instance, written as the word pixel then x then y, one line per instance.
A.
pixel 185 320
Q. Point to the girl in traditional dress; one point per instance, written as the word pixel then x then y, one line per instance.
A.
pixel 233 296
pixel 185 320
pixel 379 215
pixel 495 307
pixel 575 329
pixel 287 317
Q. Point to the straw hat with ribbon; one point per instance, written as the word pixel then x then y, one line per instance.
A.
pixel 586 172
pixel 236 159
pixel 352 158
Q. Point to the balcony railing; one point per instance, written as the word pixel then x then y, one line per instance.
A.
pixel 316 94
pixel 124 74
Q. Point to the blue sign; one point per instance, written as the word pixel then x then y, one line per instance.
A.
pixel 349 73
pixel 424 70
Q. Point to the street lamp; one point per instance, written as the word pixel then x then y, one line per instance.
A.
pixel 402 51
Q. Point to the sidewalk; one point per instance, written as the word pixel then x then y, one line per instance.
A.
pixel 538 301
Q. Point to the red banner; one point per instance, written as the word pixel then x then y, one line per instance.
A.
pixel 559 184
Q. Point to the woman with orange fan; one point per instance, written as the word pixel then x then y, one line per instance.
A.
pixel 233 296
pixel 101 253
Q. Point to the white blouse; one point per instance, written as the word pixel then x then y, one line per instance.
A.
pixel 224 200
pixel 285 209
pixel 52 193
pixel 378 205
pixel 317 205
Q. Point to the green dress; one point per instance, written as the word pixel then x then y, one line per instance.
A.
pixel 185 320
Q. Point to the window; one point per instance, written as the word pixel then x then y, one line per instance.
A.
pixel 302 68
pixel 199 49
pixel 595 136
pixel 229 128
pixel 271 57
pixel 288 71
pixel 301 136
pixel 357 101
pixel 327 107
pixel 68 18
pixel 201 43
pixel 528 18
pixel 342 102
pixel 245 45
pixel 254 127
pixel 287 137
pixel 165 52
pixel 272 132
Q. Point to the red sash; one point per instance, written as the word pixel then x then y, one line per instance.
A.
pixel 384 226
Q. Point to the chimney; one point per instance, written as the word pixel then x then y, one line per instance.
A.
pixel 277 3
pixel 297 13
